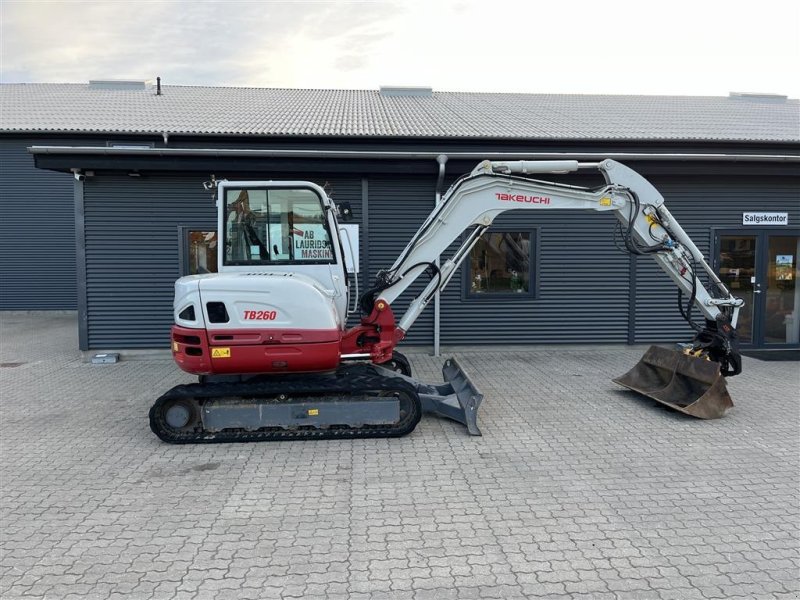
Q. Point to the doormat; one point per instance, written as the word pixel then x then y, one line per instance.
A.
pixel 774 355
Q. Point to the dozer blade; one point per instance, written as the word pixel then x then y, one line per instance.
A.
pixel 457 398
pixel 691 385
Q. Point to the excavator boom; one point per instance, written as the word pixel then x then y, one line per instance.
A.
pixel 493 188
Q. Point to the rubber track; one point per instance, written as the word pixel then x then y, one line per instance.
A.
pixel 350 380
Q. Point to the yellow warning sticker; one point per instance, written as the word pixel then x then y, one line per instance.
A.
pixel 313 412
pixel 175 346
pixel 220 353
pixel 606 201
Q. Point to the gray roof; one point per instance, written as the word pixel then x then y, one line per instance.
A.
pixel 289 112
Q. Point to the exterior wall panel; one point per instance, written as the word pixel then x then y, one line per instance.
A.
pixel 131 229
pixel 582 290
pixel 699 205
pixel 37 233
pixel 397 208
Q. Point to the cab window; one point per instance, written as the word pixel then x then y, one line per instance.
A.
pixel 275 226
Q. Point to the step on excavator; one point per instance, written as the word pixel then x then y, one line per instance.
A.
pixel 275 360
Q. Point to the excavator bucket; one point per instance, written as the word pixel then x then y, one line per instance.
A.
pixel 691 385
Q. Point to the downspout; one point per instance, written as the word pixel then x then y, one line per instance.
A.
pixel 442 160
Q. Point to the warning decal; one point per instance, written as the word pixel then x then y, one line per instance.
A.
pixel 220 353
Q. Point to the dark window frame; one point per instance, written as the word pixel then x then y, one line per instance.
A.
pixel 183 245
pixel 533 270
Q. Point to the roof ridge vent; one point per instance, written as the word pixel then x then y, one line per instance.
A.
pixel 120 84
pixel 396 90
pixel 757 96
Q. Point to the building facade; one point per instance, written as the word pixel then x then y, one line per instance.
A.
pixel 102 218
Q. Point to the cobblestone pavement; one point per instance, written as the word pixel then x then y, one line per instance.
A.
pixel 576 489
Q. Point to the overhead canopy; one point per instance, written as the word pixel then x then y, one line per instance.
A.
pixel 146 158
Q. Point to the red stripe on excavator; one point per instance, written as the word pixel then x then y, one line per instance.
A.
pixel 268 350
pixel 243 351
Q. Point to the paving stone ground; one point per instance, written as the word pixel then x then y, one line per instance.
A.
pixel 577 489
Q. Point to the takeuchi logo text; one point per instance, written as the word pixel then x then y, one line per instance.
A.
pixel 523 198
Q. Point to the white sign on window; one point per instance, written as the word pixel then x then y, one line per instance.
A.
pixel 349 237
pixel 765 218
pixel 310 241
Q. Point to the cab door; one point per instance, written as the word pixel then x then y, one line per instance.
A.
pixel 761 267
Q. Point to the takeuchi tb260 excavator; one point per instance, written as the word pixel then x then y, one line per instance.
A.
pixel 267 334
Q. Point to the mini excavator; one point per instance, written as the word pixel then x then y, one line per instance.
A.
pixel 275 360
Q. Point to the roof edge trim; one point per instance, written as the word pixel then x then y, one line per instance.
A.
pixel 407 155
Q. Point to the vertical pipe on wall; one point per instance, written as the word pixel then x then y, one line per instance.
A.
pixel 442 160
pixel 364 231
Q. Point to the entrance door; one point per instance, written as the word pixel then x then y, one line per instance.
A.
pixel 761 267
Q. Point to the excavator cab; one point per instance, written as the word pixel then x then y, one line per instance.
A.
pixel 286 227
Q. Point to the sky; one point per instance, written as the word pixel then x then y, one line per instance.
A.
pixel 675 47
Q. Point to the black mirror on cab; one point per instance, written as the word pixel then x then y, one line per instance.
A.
pixel 345 211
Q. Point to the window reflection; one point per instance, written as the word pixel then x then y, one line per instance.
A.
pixel 202 252
pixel 737 271
pixel 273 226
pixel 500 264
pixel 782 325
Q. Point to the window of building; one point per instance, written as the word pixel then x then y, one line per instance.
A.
pixel 198 250
pixel 501 264
pixel 275 226
pixel 202 252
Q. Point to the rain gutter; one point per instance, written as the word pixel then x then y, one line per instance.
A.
pixel 406 155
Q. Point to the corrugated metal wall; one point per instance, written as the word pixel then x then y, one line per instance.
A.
pixel 583 291
pixel 582 287
pixel 700 204
pixel 131 230
pixel 37 233
pixel 397 208
pixel 582 294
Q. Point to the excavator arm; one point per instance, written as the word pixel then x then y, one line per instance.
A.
pixel 645 227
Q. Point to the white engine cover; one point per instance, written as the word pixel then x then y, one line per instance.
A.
pixel 257 301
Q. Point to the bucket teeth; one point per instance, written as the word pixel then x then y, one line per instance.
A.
pixel 683 382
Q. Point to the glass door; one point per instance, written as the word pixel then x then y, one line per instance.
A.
pixel 737 262
pixel 781 322
pixel 761 267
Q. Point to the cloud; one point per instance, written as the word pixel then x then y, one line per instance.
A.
pixel 73 41
pixel 618 46
pixel 189 42
pixel 312 46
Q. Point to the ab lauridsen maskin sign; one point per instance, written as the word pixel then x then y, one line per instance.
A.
pixel 765 218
